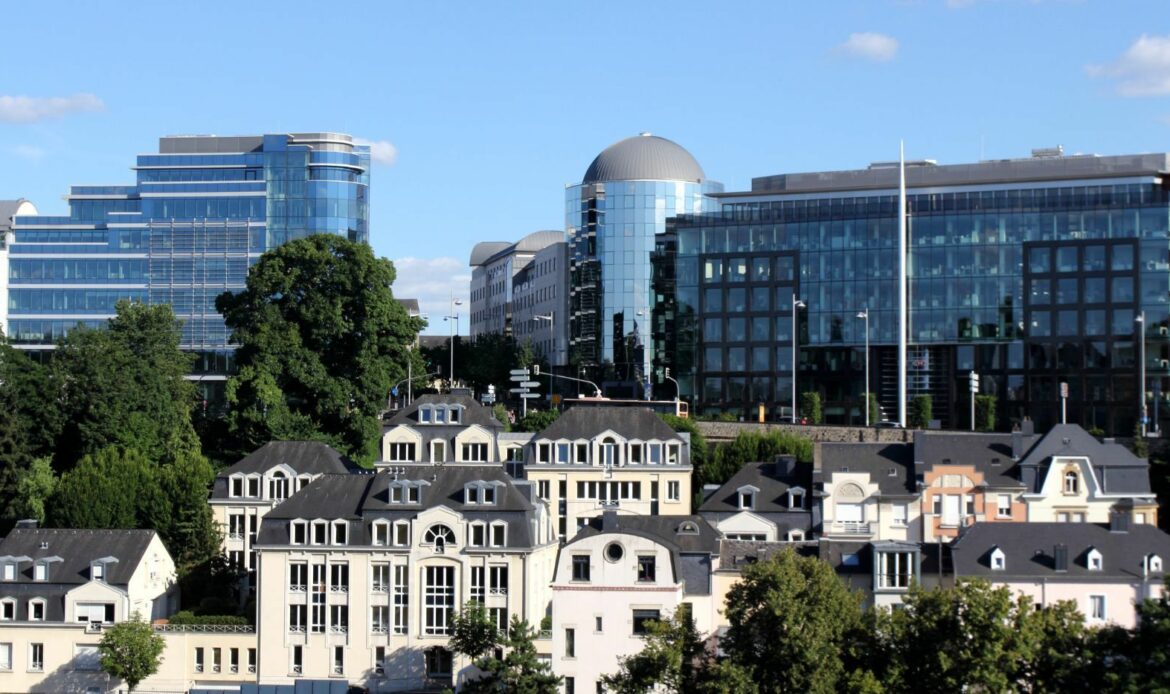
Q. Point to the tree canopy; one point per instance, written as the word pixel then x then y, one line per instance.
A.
pixel 507 660
pixel 322 342
pixel 131 651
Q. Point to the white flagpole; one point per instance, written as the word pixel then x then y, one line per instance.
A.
pixel 903 308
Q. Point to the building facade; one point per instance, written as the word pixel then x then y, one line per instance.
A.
pixel 540 305
pixel 9 209
pixel 494 267
pixel 614 218
pixel 1031 272
pixel 201 211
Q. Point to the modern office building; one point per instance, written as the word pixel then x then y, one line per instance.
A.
pixel 614 219
pixel 1031 272
pixel 9 209
pixel 540 304
pixel 201 211
pixel 494 267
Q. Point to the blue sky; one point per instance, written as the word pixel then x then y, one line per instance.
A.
pixel 482 112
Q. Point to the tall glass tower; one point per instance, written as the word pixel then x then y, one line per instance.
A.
pixel 613 219
pixel 203 209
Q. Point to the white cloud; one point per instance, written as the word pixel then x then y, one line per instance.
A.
pixel 381 151
pixel 30 109
pixel 868 45
pixel 1143 70
pixel 433 281
pixel 29 152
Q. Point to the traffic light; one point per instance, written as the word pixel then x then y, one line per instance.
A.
pixel 536 369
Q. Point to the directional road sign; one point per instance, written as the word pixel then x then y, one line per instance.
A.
pixel 517 390
pixel 529 396
pixel 519 372
pixel 530 384
pixel 525 377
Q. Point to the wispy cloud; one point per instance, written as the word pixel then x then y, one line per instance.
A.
pixel 433 281
pixel 1143 70
pixel 30 109
pixel 868 45
pixel 381 151
pixel 29 152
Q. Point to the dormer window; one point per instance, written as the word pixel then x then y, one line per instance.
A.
pixel 796 536
pixel 401 533
pixel 425 415
pixel 41 571
pixel 299 532
pixel 480 493
pixel 36 610
pixel 455 415
pixel 655 451
pixel 236 486
pixel 400 453
pixel 747 497
pixel 475 452
pixel 582 454
pixel 563 453
pixel 254 486
pixel 303 481
pixel 1072 482
pixel 499 534
pixel 796 497
pixel 340 532
pixel 672 450
pixel 1154 564
pixel 688 528
pixel 7 610
pixel 278 486
pixel 320 532
pixel 1093 560
pixel 8 571
pixel 478 534
pixel 440 415
pixel 98 569
pixel 635 453
pixel 380 533
pixel 998 560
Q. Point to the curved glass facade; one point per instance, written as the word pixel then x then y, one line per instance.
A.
pixel 613 227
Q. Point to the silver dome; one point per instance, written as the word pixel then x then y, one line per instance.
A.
pixel 644 157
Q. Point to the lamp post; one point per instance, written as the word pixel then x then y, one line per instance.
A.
pixel 864 315
pixel 552 332
pixel 677 389
pixel 1142 412
pixel 797 304
pixel 453 323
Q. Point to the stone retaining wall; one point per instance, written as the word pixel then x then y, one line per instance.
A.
pixel 725 431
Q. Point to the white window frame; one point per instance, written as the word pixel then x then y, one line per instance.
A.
pixel 41 571
pixel 481 528
pixel 1094 602
pixel 233 481
pixel 1003 510
pixel 35 603
pixel 33 664
pixel 380 533
pixel 6 656
pixel 899 513
pixel 404 528
pixel 502 528
pixel 673 490
pixel 303 526
pixel 8 605
pixel 1094 560
pixel 339 533
pixel 998 560
pixel 324 525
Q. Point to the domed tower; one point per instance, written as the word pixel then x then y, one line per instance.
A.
pixel 613 219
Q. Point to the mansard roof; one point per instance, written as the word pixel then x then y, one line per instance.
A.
pixel 77 550
pixel 887 464
pixel 773 480
pixel 473 412
pixel 587 422
pixel 1118 470
pixel 989 454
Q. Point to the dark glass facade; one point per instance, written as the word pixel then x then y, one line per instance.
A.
pixel 1030 283
pixel 202 211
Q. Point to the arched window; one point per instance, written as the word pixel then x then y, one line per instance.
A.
pixel 1072 482
pixel 610 452
pixel 278 486
pixel 440 536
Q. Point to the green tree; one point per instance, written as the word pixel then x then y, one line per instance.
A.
pixel 322 341
pixel 131 651
pixel 29 404
pixel 189 530
pixel 875 409
pixel 749 447
pixel 675 657
pixel 810 407
pixel 1140 447
pixel 1136 660
pixel 473 633
pixel 985 412
pixel 519 670
pixel 921 411
pixel 1049 647
pixel 536 420
pixel 125 385
pixel 790 621
pixel 125 483
pixel 34 487
pixel 501 414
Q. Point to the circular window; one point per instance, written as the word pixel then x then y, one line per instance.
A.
pixel 614 552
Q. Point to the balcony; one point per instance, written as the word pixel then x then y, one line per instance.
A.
pixel 297 588
pixel 851 528
pixel 381 587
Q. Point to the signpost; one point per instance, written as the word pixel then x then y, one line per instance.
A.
pixel 521 378
pixel 973 384
pixel 1063 402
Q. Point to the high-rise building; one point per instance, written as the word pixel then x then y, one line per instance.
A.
pixel 614 219
pixel 9 209
pixel 1047 276
pixel 494 267
pixel 202 210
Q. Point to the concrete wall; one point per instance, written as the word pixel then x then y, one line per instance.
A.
pixel 725 431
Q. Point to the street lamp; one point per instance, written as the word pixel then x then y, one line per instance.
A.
pixel 552 332
pixel 1141 321
pixel 797 304
pixel 453 324
pixel 864 315
pixel 677 389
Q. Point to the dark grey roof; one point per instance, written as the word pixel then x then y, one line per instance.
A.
pixel 628 422
pixel 411 306
pixel 77 550
pixel 644 158
pixel 888 464
pixel 305 457
pixel 1118 470
pixel 690 552
pixel 735 554
pixel 990 454
pixel 772 479
pixel 473 413
pixel 360 498
pixel 1029 550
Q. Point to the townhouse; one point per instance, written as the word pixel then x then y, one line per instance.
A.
pixel 447 428
pixel 765 502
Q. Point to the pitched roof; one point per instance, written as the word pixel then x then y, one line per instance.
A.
pixel 306 457
pixel 77 550
pixel 473 412
pixel 990 454
pixel 582 422
pixel 663 529
pixel 772 479
pixel 1118 470
pixel 1029 550
pixel 888 464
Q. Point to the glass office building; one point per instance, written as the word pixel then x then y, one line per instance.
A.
pixel 1031 272
pixel 613 219
pixel 203 209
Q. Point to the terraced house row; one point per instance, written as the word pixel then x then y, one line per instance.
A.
pixel 586 529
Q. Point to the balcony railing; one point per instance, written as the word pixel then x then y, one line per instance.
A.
pixel 851 528
pixel 205 628
pixel 381 587
pixel 297 588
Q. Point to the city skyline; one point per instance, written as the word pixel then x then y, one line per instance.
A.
pixel 466 106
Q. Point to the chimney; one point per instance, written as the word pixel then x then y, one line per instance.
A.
pixel 1060 558
pixel 609 520
pixel 27 524
pixel 785 465
pixel 1119 522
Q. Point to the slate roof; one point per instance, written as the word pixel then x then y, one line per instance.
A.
pixel 306 457
pixel 888 464
pixel 1118 470
pixel 629 422
pixel 473 413
pixel 1029 550
pixel 990 454
pixel 77 550
pixel 772 479
pixel 361 498
pixel 735 554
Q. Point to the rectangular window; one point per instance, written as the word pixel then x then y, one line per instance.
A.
pixel 582 453
pixel 499 533
pixel 339 578
pixel 379 619
pixel 570 643
pixel 475 452
pixel 498 580
pixel 401 598
pixel 320 533
pixel 635 453
pixel 380 578
pixel 340 533
pixel 234 660
pixel 969 502
pixel 36 611
pixel 570 686
pixel 338 660
pixel 543 487
pixel 477 583
pixel 298 577
pixel 581 567
pixel 642 618
pixel 1097 607
pixel 253 486
pixel 317 589
pixel 439 599
pixel 198 660
pixel 297 615
pixel 237 486
pixel 5 656
pixel 380 660
pixel 597 624
pixel 339 619
pixel 646 569
pixel 899 514
pixel 401 453
pixel 36 657
pixel 401 534
pixel 40 571
pixel 298 660
pixel 438 451
pixel 298 533
pixel 478 535
pixel 672 491
pixel 9 570
pixel 1004 507
pixel 381 534
pixel 251 660
pixel 499 617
